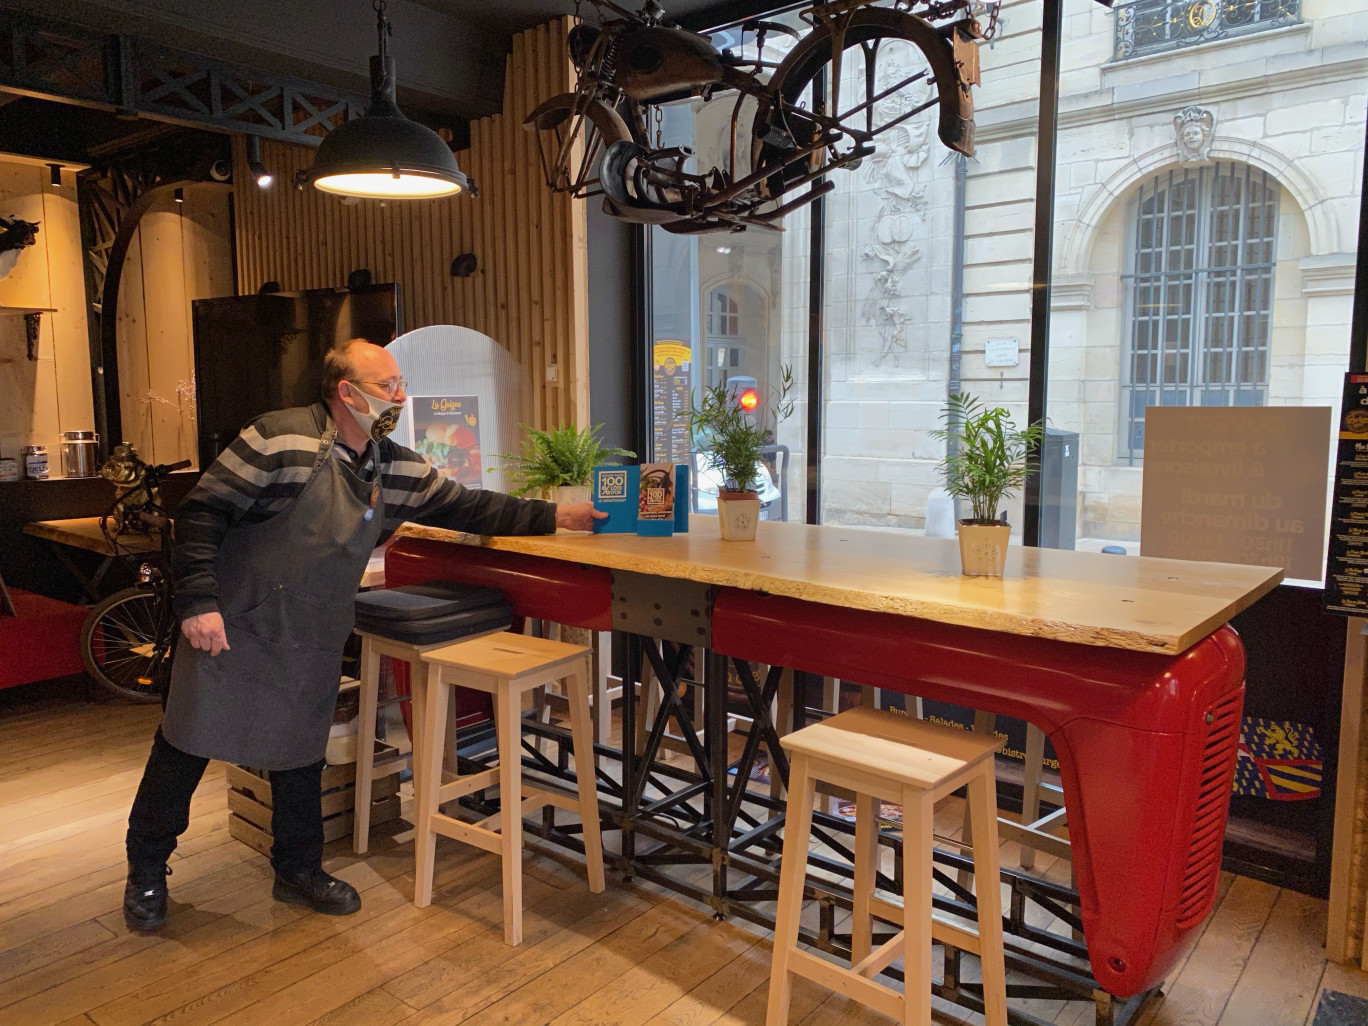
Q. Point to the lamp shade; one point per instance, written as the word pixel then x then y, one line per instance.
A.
pixel 384 155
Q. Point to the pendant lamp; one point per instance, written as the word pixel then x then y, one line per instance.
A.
pixel 382 154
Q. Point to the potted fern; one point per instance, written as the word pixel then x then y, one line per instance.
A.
pixel 559 464
pixel 988 460
pixel 731 438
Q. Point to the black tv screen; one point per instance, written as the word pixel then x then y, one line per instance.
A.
pixel 259 353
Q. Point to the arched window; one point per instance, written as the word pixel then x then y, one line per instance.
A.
pixel 730 310
pixel 1200 293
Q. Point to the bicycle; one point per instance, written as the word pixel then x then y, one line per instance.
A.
pixel 129 639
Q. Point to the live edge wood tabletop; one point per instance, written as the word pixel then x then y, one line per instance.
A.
pixel 1129 602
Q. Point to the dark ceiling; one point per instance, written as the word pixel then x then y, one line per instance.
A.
pixel 450 53
pixel 506 17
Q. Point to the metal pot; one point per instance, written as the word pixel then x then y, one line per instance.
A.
pixel 80 453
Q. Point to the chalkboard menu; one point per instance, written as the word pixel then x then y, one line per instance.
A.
pixel 1346 571
pixel 671 387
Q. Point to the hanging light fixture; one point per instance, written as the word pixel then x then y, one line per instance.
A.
pixel 382 154
pixel 260 175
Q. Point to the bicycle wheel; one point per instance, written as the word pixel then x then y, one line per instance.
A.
pixel 128 642
pixel 782 124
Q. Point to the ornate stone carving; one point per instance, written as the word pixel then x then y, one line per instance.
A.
pixel 892 177
pixel 1194 128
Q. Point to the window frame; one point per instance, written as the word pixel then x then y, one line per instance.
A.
pixel 1201 312
pixel 1124 48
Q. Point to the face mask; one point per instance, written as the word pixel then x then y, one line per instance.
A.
pixel 380 417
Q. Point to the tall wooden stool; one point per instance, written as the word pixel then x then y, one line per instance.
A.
pixel 505 666
pixel 373 646
pixel 883 755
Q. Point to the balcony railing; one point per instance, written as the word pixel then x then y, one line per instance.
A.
pixel 1155 26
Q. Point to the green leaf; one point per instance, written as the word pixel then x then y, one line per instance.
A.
pixel 727 439
pixel 565 455
pixel 989 458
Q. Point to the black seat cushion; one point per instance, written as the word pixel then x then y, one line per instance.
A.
pixel 438 629
pixel 425 601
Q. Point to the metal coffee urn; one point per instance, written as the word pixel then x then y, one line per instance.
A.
pixel 80 457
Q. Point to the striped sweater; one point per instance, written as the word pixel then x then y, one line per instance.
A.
pixel 266 468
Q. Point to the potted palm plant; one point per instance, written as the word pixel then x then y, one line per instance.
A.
pixel 559 464
pixel 730 439
pixel 988 459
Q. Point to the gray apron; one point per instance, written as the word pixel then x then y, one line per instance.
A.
pixel 287 588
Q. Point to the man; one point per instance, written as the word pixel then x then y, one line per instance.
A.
pixel 270 549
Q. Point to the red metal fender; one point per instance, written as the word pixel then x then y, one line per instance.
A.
pixel 548 589
pixel 1146 744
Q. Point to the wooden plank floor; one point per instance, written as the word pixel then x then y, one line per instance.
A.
pixel 231 955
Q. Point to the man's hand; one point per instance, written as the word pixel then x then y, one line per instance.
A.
pixel 206 632
pixel 578 516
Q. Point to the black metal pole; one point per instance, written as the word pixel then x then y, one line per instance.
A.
pixel 642 329
pixel 1358 331
pixel 1046 142
pixel 816 324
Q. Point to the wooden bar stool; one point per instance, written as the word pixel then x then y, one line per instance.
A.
pixel 373 646
pixel 883 755
pixel 505 666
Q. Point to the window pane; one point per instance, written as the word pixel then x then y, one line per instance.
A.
pixel 928 257
pixel 1204 237
pixel 733 307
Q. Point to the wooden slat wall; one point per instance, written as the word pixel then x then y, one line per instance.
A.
pixel 531 289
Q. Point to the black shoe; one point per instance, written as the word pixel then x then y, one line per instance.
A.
pixel 318 890
pixel 145 897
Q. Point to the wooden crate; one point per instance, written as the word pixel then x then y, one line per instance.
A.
pixel 249 804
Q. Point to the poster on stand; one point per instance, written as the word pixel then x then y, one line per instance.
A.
pixel 1346 567
pixel 446 430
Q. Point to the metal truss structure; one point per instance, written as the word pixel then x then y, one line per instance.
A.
pixel 56 60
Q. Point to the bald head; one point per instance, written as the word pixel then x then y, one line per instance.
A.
pixel 357 360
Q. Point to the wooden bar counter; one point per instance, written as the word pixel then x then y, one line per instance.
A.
pixel 1135 603
pixel 1126 663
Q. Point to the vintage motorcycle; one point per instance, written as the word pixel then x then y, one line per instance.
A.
pixel 598 139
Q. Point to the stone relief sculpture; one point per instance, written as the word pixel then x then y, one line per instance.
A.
pixel 892 176
pixel 1195 128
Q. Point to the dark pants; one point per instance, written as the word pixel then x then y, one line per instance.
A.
pixel 161 811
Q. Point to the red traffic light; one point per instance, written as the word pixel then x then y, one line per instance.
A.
pixel 748 400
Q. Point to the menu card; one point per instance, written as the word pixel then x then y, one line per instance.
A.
pixel 1346 570
pixel 655 510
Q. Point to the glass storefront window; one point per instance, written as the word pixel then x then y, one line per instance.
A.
pixel 1205 214
pixel 1205 217
pixel 730 308
pixel 927 265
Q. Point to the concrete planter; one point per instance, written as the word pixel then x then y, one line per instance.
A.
pixel 983 548
pixel 738 513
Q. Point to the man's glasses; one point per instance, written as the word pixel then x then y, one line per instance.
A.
pixel 392 388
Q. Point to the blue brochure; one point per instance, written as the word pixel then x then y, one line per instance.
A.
pixel 615 493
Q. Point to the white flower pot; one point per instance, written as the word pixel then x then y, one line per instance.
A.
pixel 983 548
pixel 738 513
pixel 568 495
